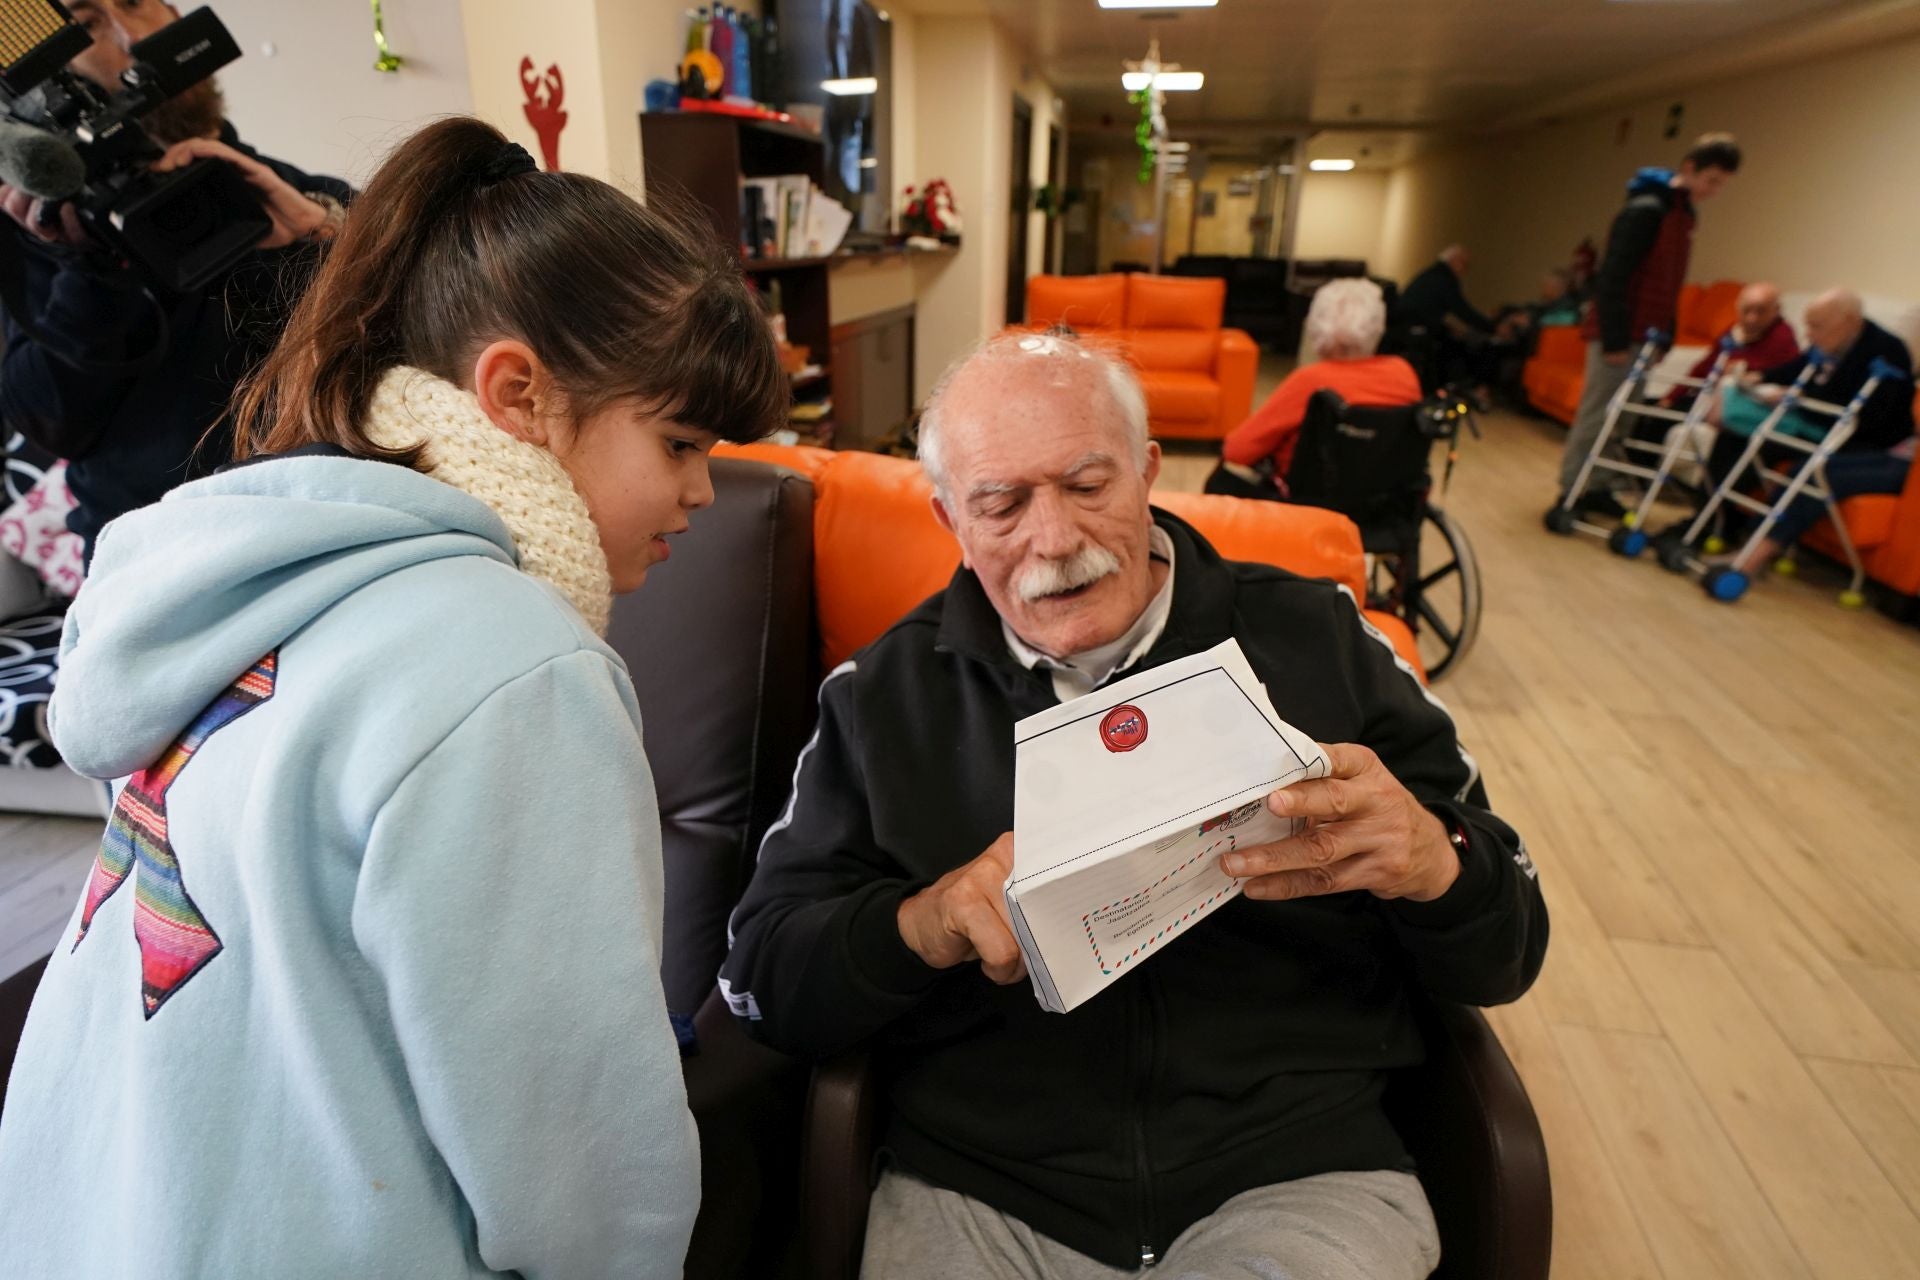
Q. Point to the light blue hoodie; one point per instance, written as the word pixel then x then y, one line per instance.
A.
pixel 384 996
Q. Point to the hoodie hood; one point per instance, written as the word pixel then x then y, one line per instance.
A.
pixel 185 595
pixel 1652 180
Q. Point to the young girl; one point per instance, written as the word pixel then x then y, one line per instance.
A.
pixel 365 980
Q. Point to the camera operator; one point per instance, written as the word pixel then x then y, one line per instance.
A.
pixel 131 436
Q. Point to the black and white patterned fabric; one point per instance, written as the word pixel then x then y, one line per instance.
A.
pixel 29 646
pixel 25 463
pixel 28 649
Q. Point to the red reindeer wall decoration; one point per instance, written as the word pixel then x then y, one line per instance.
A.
pixel 544 96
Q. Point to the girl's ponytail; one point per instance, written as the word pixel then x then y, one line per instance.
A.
pixel 457 242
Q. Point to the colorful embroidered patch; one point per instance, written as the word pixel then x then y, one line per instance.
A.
pixel 175 940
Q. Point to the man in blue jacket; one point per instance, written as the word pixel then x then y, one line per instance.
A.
pixel 132 434
pixel 1218 1110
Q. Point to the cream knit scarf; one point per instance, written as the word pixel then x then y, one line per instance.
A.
pixel 523 484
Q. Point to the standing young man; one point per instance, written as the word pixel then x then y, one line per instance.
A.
pixel 1638 288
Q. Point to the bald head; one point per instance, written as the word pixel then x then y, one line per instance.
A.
pixel 1027 382
pixel 1834 320
pixel 1457 257
pixel 1758 308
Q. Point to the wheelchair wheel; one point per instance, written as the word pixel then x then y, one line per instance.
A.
pixel 1445 611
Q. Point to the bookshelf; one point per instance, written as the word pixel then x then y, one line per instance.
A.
pixel 704 157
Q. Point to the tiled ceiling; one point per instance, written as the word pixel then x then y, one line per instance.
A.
pixel 1383 65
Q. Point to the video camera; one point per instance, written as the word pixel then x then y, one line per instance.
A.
pixel 63 138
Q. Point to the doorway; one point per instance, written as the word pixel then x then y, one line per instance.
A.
pixel 1021 183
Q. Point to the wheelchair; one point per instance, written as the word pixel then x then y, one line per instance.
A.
pixel 1372 464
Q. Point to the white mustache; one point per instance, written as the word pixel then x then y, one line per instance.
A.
pixel 1055 577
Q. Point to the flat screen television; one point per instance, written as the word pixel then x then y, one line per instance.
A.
pixel 833 42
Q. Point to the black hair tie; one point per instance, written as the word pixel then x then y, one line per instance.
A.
pixel 509 160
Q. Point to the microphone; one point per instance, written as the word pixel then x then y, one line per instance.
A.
pixel 39 163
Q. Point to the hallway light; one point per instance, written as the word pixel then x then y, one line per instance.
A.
pixel 1166 81
pixel 853 88
pixel 1329 166
pixel 1158 4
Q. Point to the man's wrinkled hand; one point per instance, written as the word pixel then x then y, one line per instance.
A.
pixel 1364 832
pixel 962 916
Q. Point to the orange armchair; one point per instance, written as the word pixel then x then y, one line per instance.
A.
pixel 1197 374
pixel 878 552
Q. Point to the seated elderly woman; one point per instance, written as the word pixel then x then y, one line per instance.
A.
pixel 1343 328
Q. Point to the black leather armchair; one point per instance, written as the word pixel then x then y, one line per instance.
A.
pixel 1463 1113
pixel 720 644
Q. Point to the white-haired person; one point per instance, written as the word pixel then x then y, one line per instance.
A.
pixel 1344 325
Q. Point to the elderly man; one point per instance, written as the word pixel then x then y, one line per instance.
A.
pixel 1875 459
pixel 1758 338
pixel 1436 300
pixel 1219 1110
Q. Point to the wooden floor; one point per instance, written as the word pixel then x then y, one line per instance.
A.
pixel 1723 801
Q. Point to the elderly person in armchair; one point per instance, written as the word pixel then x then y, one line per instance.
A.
pixel 1344 325
pixel 1219 1111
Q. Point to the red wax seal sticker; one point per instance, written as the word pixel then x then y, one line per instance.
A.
pixel 1123 728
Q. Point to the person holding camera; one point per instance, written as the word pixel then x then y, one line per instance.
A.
pixel 77 378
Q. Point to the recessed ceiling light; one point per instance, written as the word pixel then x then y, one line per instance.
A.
pixel 1329 166
pixel 851 88
pixel 1158 4
pixel 1166 81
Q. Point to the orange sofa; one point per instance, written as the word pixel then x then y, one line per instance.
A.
pixel 1557 372
pixel 1198 375
pixel 878 551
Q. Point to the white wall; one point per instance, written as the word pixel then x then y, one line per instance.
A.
pixel 316 100
pixel 1341 215
pixel 970 67
pixel 1828 193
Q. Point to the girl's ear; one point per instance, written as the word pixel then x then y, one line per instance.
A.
pixel 511 382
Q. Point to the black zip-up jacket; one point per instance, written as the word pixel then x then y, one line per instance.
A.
pixel 1253 1051
pixel 131 437
pixel 1886 418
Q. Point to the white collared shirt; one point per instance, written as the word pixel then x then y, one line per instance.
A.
pixel 1080 673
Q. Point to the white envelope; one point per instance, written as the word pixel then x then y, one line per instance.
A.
pixel 1124 801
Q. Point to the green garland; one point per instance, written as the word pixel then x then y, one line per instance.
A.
pixel 1143 131
pixel 388 59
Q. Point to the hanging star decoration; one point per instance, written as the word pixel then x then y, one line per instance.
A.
pixel 1151 129
pixel 388 60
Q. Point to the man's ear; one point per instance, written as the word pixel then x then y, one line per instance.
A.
pixel 1152 472
pixel 508 380
pixel 945 519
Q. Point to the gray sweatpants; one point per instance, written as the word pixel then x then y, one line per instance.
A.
pixel 1337 1226
pixel 1603 380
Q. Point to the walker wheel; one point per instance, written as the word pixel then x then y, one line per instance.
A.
pixel 1714 544
pixel 1853 600
pixel 1559 520
pixel 1725 583
pixel 1627 542
pixel 1786 567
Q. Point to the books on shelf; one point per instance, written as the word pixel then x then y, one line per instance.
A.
pixel 787 216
